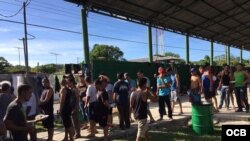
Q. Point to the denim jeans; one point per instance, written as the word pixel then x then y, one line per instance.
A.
pixel 225 96
pixel 241 95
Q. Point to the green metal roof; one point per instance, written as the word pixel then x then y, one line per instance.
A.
pixel 223 21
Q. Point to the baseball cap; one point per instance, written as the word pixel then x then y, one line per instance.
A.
pixel 193 70
pixel 161 70
pixel 5 82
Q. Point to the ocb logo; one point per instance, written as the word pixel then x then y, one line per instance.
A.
pixel 236 132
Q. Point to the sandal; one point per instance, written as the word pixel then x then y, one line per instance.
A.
pixel 89 136
pixel 85 127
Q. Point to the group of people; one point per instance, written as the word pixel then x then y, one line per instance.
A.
pixel 225 83
pixel 96 100
pixel 18 112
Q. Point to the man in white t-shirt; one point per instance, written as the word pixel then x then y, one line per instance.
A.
pixel 90 105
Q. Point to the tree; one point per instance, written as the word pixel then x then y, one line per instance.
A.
pixel 4 64
pixel 172 54
pixel 106 52
pixel 48 68
pixel 17 68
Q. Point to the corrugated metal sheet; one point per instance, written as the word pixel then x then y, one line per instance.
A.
pixel 223 21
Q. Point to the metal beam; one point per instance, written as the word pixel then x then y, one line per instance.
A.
pixel 85 34
pixel 172 17
pixel 241 55
pixel 212 54
pixel 150 44
pixel 228 55
pixel 197 14
pixel 187 49
pixel 221 13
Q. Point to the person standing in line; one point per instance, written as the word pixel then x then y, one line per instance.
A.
pixel 224 85
pixel 208 86
pixel 195 87
pixel 109 89
pixel 15 118
pixel 75 99
pixel 82 88
pixel 90 105
pixel 31 114
pixel 138 104
pixel 5 100
pixel 164 85
pixel 46 105
pixel 132 86
pixel 140 74
pixel 102 106
pixel 175 89
pixel 121 93
pixel 65 110
pixel 241 79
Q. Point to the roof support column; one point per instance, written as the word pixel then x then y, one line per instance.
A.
pixel 150 45
pixel 228 55
pixel 212 54
pixel 85 34
pixel 187 49
pixel 241 55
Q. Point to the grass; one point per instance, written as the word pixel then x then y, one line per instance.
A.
pixel 179 134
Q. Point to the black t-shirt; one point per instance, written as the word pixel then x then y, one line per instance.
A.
pixel 122 89
pixel 16 113
pixel 101 108
pixel 139 105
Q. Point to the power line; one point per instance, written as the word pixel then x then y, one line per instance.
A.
pixel 13 15
pixel 53 8
pixel 51 4
pixel 38 9
pixel 49 18
pixel 93 35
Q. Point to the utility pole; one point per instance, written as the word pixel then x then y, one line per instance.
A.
pixel 19 54
pixel 56 54
pixel 77 60
pixel 25 39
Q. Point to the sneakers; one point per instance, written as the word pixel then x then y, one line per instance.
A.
pixel 160 119
pixel 220 107
pixel 247 110
pixel 239 110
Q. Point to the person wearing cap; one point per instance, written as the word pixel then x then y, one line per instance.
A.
pixel 163 85
pixel 5 100
pixel 195 88
pixel 109 89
